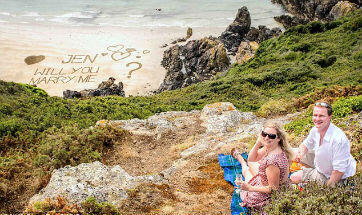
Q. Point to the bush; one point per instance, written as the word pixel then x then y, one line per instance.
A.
pixel 72 146
pixel 274 108
pixel 317 199
pixel 344 106
pixel 49 206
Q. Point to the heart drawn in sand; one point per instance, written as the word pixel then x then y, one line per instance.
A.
pixel 34 59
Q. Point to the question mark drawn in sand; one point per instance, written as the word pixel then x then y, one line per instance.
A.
pixel 132 70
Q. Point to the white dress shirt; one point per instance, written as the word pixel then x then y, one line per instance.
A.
pixel 334 153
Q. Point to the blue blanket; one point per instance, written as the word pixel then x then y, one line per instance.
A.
pixel 231 168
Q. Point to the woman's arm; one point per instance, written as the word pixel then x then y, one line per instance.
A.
pixel 256 153
pixel 272 173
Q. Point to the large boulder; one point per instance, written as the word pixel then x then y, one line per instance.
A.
pixel 290 21
pixel 106 184
pixel 246 51
pixel 106 88
pixel 237 30
pixel 262 33
pixel 197 61
pixel 309 10
pixel 342 8
pixel 223 117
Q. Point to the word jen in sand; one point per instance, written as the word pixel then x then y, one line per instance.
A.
pixel 80 59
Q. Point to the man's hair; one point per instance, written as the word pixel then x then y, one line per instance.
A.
pixel 325 105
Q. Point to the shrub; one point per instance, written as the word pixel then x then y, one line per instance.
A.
pixel 344 106
pixel 72 146
pixel 274 108
pixel 317 199
pixel 49 206
pixel 315 27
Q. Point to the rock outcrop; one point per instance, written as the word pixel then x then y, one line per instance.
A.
pixel 342 8
pixel 240 31
pixel 237 30
pixel 312 10
pixel 106 184
pixel 197 61
pixel 290 21
pixel 261 33
pixel 183 39
pixel 200 60
pixel 106 88
pixel 246 51
pixel 308 9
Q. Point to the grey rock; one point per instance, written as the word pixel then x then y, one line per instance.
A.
pixel 221 117
pixel 104 183
pixel 237 30
pixel 342 8
pixel 309 10
pixel 290 21
pixel 197 61
pixel 106 88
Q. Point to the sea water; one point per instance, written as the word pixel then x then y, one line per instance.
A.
pixel 137 13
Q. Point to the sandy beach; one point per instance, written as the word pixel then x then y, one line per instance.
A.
pixel 78 58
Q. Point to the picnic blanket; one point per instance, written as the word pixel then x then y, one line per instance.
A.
pixel 231 168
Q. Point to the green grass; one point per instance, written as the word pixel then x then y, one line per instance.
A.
pixel 305 58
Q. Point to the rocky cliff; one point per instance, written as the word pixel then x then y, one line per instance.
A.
pixel 173 149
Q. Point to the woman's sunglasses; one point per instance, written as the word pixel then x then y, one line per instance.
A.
pixel 271 136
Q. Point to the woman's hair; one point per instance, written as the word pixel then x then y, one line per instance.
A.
pixel 284 144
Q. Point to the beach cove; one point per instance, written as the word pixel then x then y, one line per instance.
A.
pixel 80 52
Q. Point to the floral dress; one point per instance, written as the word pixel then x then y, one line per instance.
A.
pixel 257 200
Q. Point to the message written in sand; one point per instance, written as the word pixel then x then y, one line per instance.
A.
pixel 78 68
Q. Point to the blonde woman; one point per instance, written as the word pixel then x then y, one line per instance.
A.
pixel 269 161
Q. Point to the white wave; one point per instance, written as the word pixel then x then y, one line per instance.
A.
pixel 32 14
pixel 39 19
pixel 88 14
pixel 136 16
pixel 75 15
pixel 60 20
pixel 5 13
pixel 3 21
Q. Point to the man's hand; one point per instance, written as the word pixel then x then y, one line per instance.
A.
pixel 336 176
pixel 302 151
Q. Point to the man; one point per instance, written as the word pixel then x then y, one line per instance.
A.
pixel 333 161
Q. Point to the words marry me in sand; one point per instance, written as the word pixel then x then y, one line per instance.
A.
pixel 83 74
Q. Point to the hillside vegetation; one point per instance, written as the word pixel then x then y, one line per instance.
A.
pixel 306 63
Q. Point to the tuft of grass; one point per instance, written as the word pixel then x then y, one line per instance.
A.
pixel 92 206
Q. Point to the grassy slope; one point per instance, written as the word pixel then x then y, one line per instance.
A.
pixel 304 59
pixel 286 67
